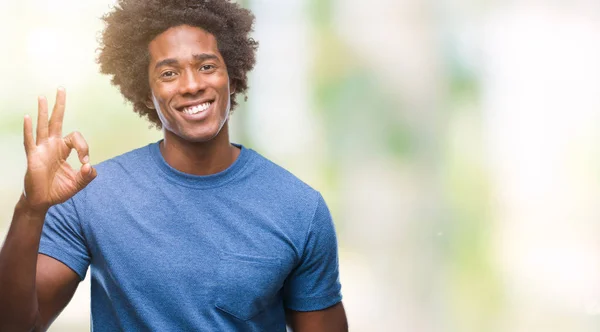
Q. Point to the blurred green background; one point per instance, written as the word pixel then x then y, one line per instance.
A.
pixel 456 143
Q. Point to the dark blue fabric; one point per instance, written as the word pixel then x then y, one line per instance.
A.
pixel 172 251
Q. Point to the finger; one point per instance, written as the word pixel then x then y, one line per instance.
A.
pixel 76 141
pixel 58 113
pixel 85 175
pixel 42 123
pixel 28 134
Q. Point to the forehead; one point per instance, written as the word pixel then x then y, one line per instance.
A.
pixel 182 42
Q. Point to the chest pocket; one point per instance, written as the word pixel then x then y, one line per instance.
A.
pixel 247 284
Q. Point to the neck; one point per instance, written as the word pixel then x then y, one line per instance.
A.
pixel 199 158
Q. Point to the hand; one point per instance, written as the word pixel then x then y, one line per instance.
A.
pixel 50 179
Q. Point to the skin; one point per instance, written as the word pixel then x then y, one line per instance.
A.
pixel 332 319
pixel 185 68
pixel 34 288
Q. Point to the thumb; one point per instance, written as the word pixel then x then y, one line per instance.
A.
pixel 85 175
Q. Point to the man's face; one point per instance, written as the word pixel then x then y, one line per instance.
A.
pixel 189 83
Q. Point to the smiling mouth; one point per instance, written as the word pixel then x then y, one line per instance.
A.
pixel 196 108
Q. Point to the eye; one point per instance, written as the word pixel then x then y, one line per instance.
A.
pixel 207 67
pixel 168 74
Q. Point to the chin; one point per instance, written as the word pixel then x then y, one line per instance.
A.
pixel 199 137
pixel 196 133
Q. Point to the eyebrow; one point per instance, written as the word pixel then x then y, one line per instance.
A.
pixel 198 57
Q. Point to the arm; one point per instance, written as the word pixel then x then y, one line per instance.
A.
pixel 332 319
pixel 27 298
pixel 312 292
pixel 35 288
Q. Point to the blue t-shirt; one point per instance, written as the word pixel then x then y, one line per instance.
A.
pixel 171 251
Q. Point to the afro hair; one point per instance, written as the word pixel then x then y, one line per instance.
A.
pixel 133 24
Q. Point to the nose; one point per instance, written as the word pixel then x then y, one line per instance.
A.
pixel 191 83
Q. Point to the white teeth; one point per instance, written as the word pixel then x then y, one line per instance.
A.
pixel 196 109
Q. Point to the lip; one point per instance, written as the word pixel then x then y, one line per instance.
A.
pixel 197 116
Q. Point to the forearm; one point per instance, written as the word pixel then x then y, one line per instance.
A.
pixel 329 320
pixel 18 260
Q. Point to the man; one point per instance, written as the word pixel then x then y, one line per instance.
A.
pixel 186 234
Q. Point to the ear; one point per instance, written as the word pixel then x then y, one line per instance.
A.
pixel 149 102
pixel 231 88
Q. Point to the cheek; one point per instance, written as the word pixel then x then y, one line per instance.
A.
pixel 165 122
pixel 161 98
pixel 160 107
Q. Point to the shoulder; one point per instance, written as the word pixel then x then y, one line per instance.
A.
pixel 279 181
pixel 115 173
pixel 274 174
pixel 125 161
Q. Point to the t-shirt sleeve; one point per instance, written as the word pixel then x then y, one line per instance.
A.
pixel 314 283
pixel 63 239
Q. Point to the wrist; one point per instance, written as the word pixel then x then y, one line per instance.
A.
pixel 32 211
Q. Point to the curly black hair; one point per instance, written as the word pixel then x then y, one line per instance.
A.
pixel 133 24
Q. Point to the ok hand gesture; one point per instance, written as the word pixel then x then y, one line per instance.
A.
pixel 50 179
